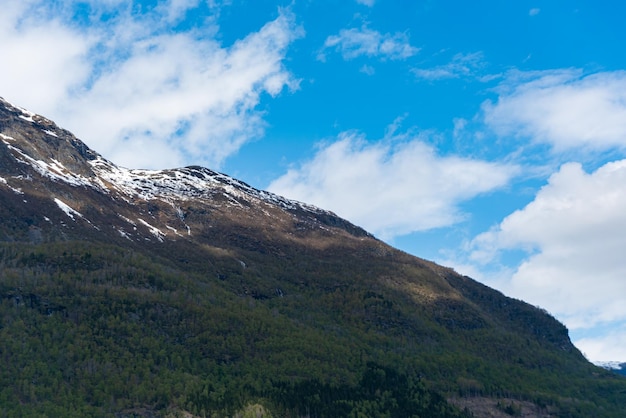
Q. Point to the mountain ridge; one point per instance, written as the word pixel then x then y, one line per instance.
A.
pixel 188 291
pixel 57 148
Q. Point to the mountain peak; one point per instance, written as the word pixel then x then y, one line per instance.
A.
pixel 37 141
pixel 33 147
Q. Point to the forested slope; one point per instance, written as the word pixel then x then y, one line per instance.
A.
pixel 97 329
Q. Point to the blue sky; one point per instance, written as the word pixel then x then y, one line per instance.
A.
pixel 488 136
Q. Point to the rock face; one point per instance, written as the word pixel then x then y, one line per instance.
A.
pixel 305 301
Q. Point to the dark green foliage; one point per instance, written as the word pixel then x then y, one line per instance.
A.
pixel 96 330
pixel 381 392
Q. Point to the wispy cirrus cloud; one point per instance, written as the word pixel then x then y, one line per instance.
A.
pixel 175 10
pixel 461 65
pixel 393 187
pixel 367 69
pixel 563 108
pixel 356 42
pixel 137 91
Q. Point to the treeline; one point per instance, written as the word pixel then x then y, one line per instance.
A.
pixel 381 392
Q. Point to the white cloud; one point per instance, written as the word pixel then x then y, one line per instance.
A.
pixel 42 60
pixel 138 92
pixel 534 11
pixel 391 187
pixel 461 65
pixel 609 347
pixel 459 126
pixel 563 108
pixel 368 3
pixel 367 69
pixel 575 232
pixel 176 9
pixel 352 43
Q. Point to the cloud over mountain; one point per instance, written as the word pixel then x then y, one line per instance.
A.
pixel 575 233
pixel 136 90
pixel 407 181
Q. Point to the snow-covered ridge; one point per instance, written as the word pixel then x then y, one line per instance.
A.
pixel 611 365
pixel 172 184
pixel 25 114
pixel 184 184
pixel 54 170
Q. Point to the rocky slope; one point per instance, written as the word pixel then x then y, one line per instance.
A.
pixel 36 154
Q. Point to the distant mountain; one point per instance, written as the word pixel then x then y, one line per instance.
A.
pixel 614 366
pixel 186 292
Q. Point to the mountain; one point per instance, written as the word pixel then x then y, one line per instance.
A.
pixel 186 292
pixel 614 366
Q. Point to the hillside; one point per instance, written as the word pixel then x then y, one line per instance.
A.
pixel 161 293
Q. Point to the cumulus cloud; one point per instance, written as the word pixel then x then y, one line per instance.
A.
pixel 575 234
pixel 563 108
pixel 137 91
pixel 391 187
pixel 352 43
pixel 42 60
pixel 461 65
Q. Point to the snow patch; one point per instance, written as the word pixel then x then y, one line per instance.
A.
pixel 123 233
pixel 68 210
pixel 54 170
pixel 49 132
pixel 130 221
pixel 173 230
pixel 25 111
pixel 153 230
pixel 26 114
pixel 14 189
